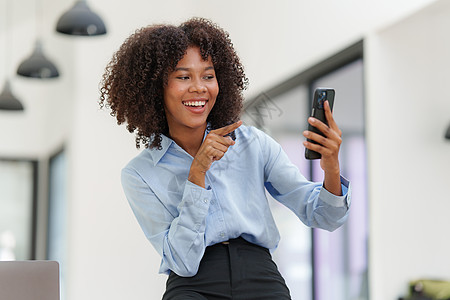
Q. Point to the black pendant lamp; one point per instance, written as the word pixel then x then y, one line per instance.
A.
pixel 37 65
pixel 80 20
pixel 447 134
pixel 7 99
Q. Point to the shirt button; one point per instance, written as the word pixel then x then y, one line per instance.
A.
pixel 205 200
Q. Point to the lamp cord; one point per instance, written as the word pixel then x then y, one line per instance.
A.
pixel 39 19
pixel 8 38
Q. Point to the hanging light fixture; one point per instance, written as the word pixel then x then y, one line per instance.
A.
pixel 80 20
pixel 447 134
pixel 37 65
pixel 7 99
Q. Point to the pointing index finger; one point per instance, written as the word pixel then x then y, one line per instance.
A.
pixel 227 129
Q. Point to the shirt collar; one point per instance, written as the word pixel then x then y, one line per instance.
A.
pixel 166 143
pixel 157 154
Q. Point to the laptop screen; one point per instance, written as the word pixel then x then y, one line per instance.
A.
pixel 25 280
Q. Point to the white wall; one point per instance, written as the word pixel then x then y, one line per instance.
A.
pixel 408 110
pixel 109 257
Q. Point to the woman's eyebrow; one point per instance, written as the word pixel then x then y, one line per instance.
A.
pixel 188 69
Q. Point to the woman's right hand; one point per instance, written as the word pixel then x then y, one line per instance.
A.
pixel 213 148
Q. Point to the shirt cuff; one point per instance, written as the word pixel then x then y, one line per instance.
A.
pixel 198 195
pixel 337 201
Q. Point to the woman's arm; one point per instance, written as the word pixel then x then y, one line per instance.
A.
pixel 314 205
pixel 328 147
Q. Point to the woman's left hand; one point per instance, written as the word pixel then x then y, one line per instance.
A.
pixel 328 146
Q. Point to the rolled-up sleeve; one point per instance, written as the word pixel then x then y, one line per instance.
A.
pixel 337 201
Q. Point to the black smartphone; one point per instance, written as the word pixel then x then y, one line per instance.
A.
pixel 320 96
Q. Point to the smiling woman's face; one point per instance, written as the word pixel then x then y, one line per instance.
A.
pixel 190 93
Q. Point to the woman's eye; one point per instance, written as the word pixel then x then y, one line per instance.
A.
pixel 183 77
pixel 209 77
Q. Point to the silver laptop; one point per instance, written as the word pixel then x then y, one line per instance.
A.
pixel 29 280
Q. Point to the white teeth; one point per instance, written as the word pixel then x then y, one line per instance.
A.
pixel 194 103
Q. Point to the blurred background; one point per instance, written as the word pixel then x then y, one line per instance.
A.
pixel 61 156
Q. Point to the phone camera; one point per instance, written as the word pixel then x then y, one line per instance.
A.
pixel 321 99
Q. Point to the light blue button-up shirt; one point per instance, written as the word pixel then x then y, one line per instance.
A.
pixel 181 219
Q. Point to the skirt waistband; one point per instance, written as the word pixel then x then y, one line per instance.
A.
pixel 239 241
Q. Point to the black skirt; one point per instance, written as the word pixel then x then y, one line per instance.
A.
pixel 235 270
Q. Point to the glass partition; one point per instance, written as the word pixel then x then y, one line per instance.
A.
pixel 340 258
pixel 57 215
pixel 283 118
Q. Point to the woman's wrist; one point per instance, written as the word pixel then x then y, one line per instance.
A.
pixel 197 177
pixel 332 182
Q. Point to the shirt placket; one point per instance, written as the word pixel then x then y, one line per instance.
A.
pixel 215 210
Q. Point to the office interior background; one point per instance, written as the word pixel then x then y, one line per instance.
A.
pixel 60 158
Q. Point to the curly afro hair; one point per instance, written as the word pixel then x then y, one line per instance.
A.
pixel 134 80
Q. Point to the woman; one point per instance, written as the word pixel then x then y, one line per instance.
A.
pixel 198 189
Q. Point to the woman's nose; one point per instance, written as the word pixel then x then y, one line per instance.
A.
pixel 197 86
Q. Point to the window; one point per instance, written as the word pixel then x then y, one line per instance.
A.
pixel 17 209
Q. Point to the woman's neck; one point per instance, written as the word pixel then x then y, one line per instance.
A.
pixel 190 139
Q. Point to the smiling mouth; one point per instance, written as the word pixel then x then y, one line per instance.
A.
pixel 198 103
